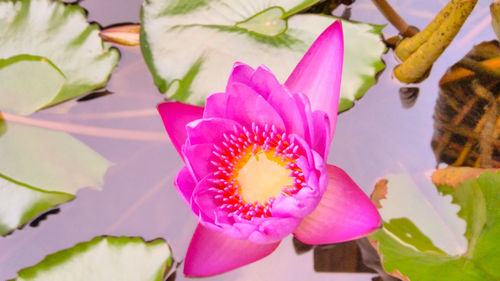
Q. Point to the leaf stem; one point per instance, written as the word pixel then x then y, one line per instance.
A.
pixel 395 19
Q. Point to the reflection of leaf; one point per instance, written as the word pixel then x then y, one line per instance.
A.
pixel 190 47
pixel 104 258
pixel 60 34
pixel 41 169
pixel 19 203
pixel 417 253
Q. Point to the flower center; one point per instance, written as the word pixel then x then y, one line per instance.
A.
pixel 262 177
pixel 253 167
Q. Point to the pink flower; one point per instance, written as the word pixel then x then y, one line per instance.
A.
pixel 256 163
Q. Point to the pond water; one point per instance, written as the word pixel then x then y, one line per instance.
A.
pixel 378 136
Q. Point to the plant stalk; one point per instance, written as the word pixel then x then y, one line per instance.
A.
pixel 395 19
pixel 418 64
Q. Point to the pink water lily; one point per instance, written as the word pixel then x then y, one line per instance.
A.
pixel 256 163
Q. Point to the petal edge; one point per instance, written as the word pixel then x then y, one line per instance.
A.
pixel 176 116
pixel 344 213
pixel 319 73
pixel 212 252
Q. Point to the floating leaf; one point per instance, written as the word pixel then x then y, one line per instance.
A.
pixel 53 160
pixel 41 169
pixel 191 46
pixel 427 246
pixel 28 83
pixel 57 42
pixel 104 258
pixel 19 203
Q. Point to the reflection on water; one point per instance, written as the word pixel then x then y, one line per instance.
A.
pixel 378 136
pixel 467 116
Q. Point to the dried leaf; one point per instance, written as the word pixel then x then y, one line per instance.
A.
pixel 379 192
pixel 453 176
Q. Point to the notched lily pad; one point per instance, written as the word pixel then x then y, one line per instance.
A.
pixel 410 250
pixel 191 46
pixel 49 54
pixel 104 258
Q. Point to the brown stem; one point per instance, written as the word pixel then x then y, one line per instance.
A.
pixel 395 19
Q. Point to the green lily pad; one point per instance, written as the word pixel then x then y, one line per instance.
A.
pixel 191 46
pixel 104 258
pixel 28 83
pixel 41 169
pixel 53 160
pixel 409 247
pixel 56 42
pixel 20 203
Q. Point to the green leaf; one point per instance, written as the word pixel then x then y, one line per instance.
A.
pixel 28 83
pixel 105 258
pixel 416 246
pixel 41 169
pixel 19 203
pixel 70 47
pixel 191 46
pixel 53 160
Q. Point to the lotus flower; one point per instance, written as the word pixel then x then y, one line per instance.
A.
pixel 256 163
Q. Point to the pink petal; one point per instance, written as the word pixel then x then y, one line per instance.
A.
pixel 215 105
pixel 264 82
pixel 210 130
pixel 318 74
pixel 175 116
pixel 203 198
pixel 212 252
pixel 320 133
pixel 185 184
pixel 285 104
pixel 241 73
pixel 197 157
pixel 247 107
pixel 344 213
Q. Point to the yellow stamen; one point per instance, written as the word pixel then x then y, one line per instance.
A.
pixel 262 176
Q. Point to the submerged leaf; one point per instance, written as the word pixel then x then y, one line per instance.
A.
pixel 70 47
pixel 191 46
pixel 41 169
pixel 104 258
pixel 416 248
